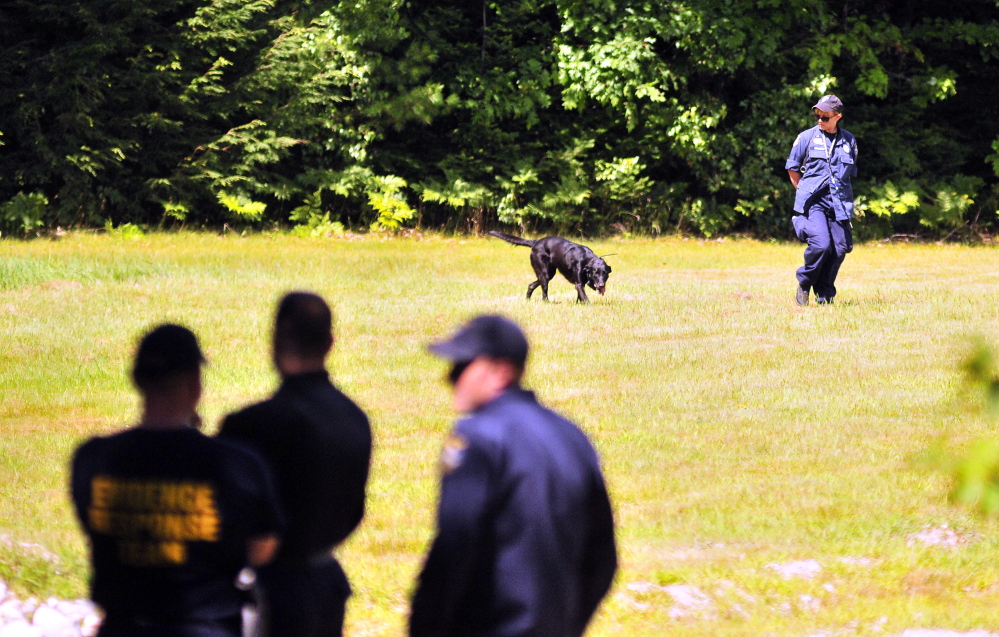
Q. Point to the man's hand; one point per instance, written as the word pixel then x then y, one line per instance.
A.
pixel 795 177
pixel 260 550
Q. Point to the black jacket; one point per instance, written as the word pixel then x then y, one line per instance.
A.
pixel 318 443
pixel 525 542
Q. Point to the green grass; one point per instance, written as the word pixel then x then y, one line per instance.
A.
pixel 737 430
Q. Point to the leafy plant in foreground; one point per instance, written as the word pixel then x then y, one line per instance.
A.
pixel 23 214
pixel 975 472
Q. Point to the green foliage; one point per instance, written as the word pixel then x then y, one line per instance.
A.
pixel 980 369
pixel 242 207
pixel 944 209
pixel 388 200
pixel 312 221
pixel 580 115
pixel 975 471
pixel 708 217
pixel 23 214
pixel 977 478
pixel 951 204
pixel 124 231
pixel 473 199
pixel 620 180
pixel 178 211
pixel 886 200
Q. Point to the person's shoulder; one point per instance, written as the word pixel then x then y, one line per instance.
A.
pixel 91 444
pixel 806 135
pixel 233 454
pixel 801 141
pixel 347 403
pixel 479 428
pixel 488 430
pixel 98 444
pixel 508 416
pixel 571 434
pixel 88 449
pixel 242 420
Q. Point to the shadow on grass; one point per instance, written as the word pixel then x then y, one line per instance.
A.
pixel 875 303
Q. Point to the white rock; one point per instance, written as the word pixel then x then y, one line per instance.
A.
pixel 20 629
pixel 937 633
pixel 939 536
pixel 52 623
pixel 857 561
pixel 688 599
pixel 3 590
pixel 643 587
pixel 29 605
pixel 802 568
pixel 10 611
pixel 76 610
pixel 809 603
pixel 90 625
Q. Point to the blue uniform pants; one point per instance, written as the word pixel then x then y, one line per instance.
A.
pixel 303 602
pixel 828 242
pixel 133 627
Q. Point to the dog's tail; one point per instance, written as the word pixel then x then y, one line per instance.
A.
pixel 514 240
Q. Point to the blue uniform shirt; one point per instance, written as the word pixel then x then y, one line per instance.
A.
pixel 525 541
pixel 825 161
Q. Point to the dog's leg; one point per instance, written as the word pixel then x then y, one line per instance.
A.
pixel 581 294
pixel 543 269
pixel 545 278
pixel 531 288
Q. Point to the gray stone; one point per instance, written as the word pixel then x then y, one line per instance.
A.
pixel 20 628
pixel 52 623
pixel 10 611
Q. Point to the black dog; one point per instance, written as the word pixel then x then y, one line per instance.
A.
pixel 576 263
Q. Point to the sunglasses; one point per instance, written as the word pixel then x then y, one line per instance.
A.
pixel 456 371
pixel 823 118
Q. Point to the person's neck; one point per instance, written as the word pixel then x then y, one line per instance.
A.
pixel 293 366
pixel 166 419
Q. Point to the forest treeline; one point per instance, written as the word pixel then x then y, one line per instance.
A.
pixel 581 116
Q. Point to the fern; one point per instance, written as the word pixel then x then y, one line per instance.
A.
pixel 242 206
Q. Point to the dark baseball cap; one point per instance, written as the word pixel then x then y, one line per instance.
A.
pixel 165 351
pixel 829 103
pixel 488 335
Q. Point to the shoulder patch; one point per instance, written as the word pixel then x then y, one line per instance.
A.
pixel 453 453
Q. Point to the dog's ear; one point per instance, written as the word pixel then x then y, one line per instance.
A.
pixel 609 269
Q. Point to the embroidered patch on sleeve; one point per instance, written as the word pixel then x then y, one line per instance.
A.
pixel 453 453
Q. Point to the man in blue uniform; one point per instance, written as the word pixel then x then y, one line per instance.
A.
pixel 172 515
pixel 318 443
pixel 525 533
pixel 822 163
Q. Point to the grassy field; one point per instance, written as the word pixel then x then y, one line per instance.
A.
pixel 744 438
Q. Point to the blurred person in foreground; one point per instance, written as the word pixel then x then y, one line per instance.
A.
pixel 525 533
pixel 318 442
pixel 821 166
pixel 172 515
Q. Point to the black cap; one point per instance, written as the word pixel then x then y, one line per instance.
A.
pixel 489 335
pixel 829 103
pixel 165 351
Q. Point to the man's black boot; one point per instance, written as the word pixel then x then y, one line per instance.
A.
pixel 802 295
